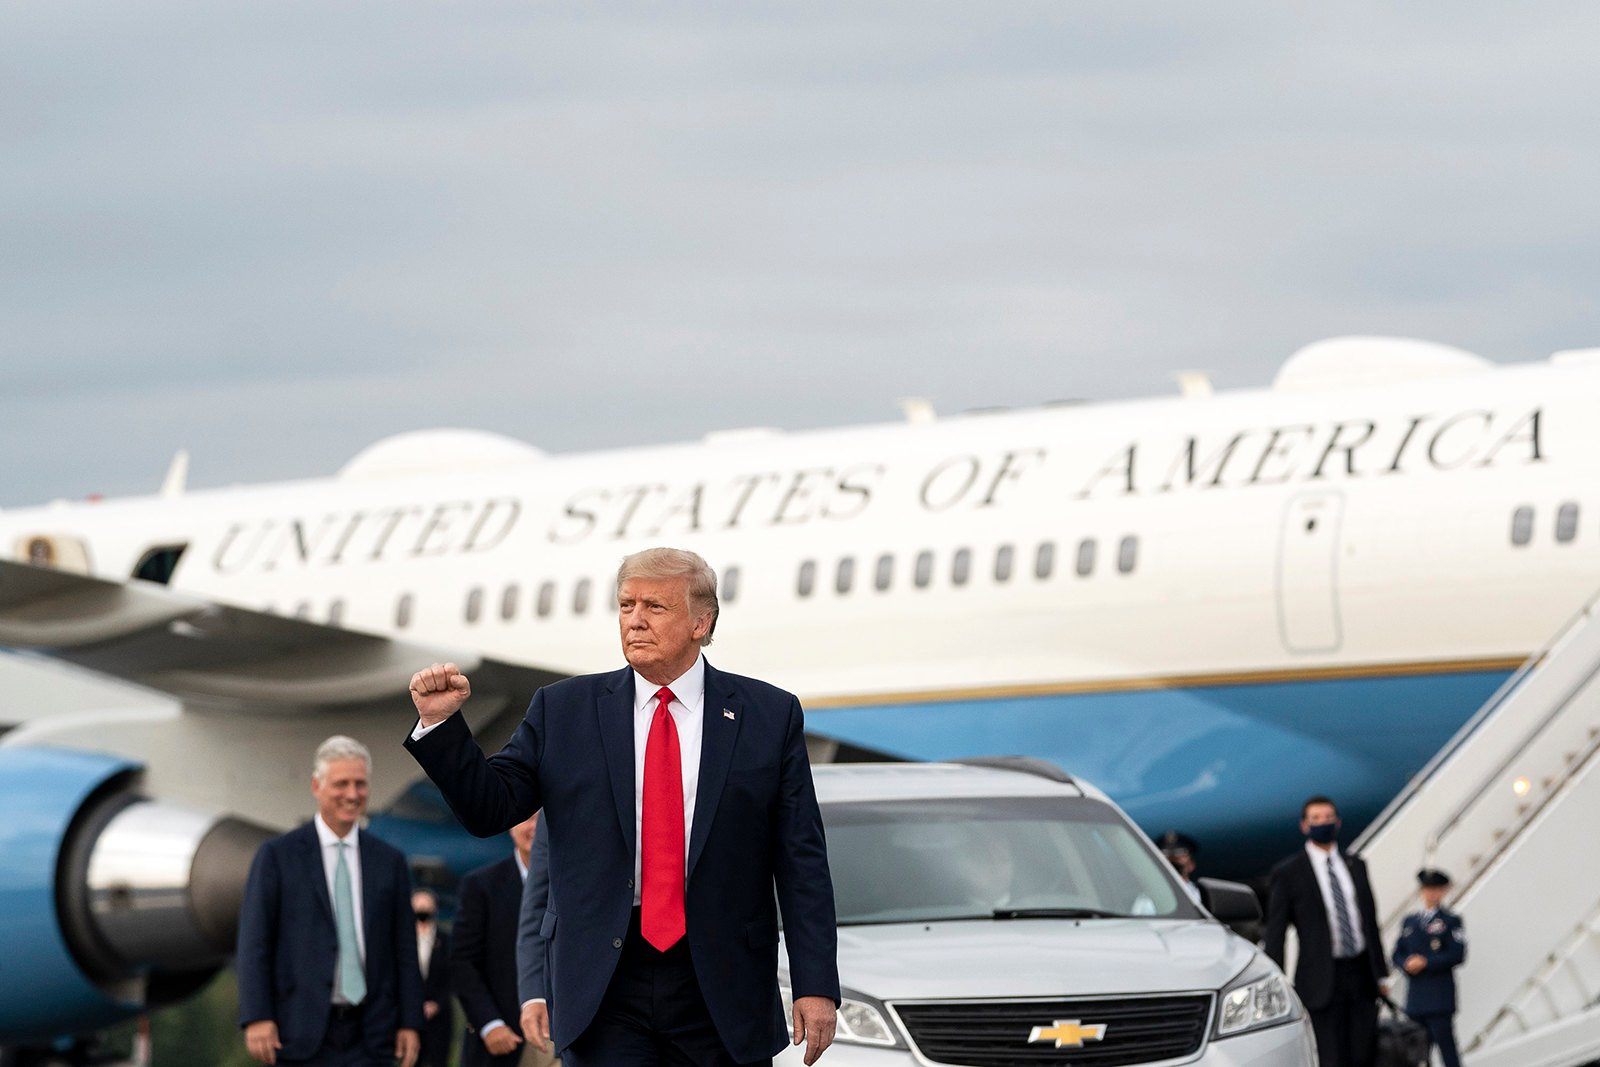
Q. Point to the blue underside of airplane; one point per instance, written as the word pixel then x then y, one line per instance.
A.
pixel 1227 764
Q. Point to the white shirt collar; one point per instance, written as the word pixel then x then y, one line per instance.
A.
pixel 689 689
pixel 326 836
pixel 522 868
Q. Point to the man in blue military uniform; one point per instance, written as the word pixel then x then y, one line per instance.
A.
pixel 1431 946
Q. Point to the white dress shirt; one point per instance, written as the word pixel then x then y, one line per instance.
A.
pixel 330 863
pixel 1320 864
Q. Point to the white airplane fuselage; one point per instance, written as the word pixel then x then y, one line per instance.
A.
pixel 1209 607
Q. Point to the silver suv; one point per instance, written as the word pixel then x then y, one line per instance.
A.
pixel 997 912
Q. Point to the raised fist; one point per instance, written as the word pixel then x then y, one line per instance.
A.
pixel 438 692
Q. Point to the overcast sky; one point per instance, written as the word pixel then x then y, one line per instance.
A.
pixel 273 234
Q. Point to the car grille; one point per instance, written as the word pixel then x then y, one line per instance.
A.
pixel 994 1033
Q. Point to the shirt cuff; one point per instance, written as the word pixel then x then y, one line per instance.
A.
pixel 534 1000
pixel 491 1026
pixel 422 731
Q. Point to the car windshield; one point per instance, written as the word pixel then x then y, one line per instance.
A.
pixel 993 858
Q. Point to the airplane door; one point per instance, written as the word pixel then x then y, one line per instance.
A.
pixel 1308 573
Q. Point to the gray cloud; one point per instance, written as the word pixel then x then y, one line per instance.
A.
pixel 275 233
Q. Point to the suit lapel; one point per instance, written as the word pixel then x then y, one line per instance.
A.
pixel 311 858
pixel 717 737
pixel 615 709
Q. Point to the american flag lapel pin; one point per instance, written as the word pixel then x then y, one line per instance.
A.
pixel 727 713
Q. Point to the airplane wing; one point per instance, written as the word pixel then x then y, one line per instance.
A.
pixel 219 656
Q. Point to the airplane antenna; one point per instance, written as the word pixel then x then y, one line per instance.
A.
pixel 177 476
pixel 917 409
pixel 1194 384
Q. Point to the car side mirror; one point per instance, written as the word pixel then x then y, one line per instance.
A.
pixel 1231 903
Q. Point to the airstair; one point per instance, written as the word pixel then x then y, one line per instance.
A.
pixel 1511 809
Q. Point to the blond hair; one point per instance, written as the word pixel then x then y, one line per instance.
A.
pixel 677 563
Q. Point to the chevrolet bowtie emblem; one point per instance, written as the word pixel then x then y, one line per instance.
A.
pixel 1068 1033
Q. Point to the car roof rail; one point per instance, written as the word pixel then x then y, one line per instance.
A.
pixel 1041 768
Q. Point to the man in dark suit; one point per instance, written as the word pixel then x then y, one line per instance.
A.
pixel 327 956
pixel 433 953
pixel 483 959
pixel 1432 944
pixel 1324 893
pixel 533 989
pixel 678 799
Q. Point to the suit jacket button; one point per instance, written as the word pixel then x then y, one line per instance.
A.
pixel 616 942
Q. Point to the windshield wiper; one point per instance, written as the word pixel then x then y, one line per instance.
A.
pixel 1056 913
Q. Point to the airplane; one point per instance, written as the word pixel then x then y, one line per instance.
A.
pixel 1211 605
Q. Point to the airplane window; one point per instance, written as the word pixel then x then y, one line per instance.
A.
pixel 547 599
pixel 1566 522
pixel 960 566
pixel 580 596
pixel 336 613
pixel 159 563
pixel 1086 557
pixel 922 574
pixel 885 572
pixel 302 610
pixel 1522 525
pixel 845 576
pixel 1002 563
pixel 474 603
pixel 1044 560
pixel 1127 554
pixel 808 578
pixel 402 611
pixel 508 601
pixel 730 584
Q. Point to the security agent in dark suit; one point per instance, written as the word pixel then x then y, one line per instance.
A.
pixel 1432 944
pixel 670 829
pixel 327 954
pixel 1324 893
pixel 533 989
pixel 483 957
pixel 433 953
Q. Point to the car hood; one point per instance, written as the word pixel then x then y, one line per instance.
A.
pixel 1038 957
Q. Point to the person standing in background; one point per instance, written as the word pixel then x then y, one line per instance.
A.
pixel 483 956
pixel 1431 945
pixel 327 951
pixel 1323 892
pixel 433 955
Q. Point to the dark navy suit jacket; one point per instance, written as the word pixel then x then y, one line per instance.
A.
pixel 1295 897
pixel 288 944
pixel 483 960
pixel 1440 941
pixel 532 952
pixel 756 825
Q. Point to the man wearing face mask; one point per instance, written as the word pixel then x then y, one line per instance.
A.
pixel 1324 894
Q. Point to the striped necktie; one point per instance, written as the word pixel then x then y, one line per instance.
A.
pixel 352 981
pixel 1344 941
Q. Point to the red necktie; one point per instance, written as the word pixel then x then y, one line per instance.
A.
pixel 661 849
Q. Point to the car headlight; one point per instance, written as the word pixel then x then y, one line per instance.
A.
pixel 861 1019
pixel 1258 998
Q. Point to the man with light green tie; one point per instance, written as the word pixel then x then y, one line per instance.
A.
pixel 327 958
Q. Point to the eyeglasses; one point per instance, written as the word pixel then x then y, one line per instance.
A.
pixel 425 916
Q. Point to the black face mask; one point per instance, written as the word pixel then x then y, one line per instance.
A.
pixel 1324 833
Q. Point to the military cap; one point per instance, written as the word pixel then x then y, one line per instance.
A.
pixel 1431 876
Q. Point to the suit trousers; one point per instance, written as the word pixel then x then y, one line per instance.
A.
pixel 1347 1026
pixel 343 1045
pixel 1442 1032
pixel 652 1014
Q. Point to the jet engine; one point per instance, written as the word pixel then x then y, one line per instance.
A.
pixel 111 903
